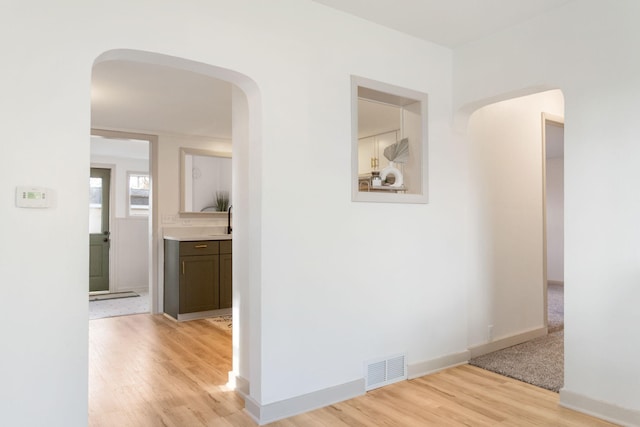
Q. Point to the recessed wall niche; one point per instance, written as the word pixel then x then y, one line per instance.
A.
pixel 389 143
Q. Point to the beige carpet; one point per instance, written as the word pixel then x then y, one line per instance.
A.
pixel 555 307
pixel 539 362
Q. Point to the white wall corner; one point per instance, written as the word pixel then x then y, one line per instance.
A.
pixel 600 409
pixel 427 367
pixel 264 414
pixel 510 341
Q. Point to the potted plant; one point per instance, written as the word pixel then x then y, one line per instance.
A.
pixel 222 201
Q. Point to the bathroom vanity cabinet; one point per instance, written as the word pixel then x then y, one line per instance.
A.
pixel 197 278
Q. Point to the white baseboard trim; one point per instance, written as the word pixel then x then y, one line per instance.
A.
pixel 263 414
pixel 600 409
pixel 239 384
pixel 427 367
pixel 499 344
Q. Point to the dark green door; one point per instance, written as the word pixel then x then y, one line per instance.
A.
pixel 99 240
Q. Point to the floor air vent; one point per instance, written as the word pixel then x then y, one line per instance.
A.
pixel 380 372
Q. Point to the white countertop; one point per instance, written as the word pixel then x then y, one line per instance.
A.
pixel 191 234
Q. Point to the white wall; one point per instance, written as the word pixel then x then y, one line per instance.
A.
pixel 506 209
pixel 555 219
pixel 314 246
pixel 586 48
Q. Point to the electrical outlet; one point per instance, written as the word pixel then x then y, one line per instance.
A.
pixel 168 219
pixel 490 333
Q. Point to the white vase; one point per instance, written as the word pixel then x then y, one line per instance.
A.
pixel 391 169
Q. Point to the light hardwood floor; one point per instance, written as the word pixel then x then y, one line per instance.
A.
pixel 147 370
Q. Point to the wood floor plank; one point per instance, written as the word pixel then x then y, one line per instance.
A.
pixel 147 370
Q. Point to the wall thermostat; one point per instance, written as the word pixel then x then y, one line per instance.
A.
pixel 33 197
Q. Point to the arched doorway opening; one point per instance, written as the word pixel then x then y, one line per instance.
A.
pixel 244 145
pixel 509 208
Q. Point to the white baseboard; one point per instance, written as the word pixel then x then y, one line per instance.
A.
pixel 499 344
pixel 427 367
pixel 239 384
pixel 600 409
pixel 263 414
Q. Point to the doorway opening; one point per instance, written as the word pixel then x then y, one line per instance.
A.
pixel 553 187
pixel 166 142
pixel 509 161
pixel 124 234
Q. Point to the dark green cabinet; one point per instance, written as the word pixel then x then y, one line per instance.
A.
pixel 225 274
pixel 199 283
pixel 197 276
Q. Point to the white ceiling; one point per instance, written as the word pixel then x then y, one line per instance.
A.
pixel 125 148
pixel 150 98
pixel 450 23
pixel 135 96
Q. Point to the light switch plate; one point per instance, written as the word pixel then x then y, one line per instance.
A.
pixel 33 197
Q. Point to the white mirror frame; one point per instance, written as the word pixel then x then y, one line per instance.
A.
pixel 195 152
pixel 393 92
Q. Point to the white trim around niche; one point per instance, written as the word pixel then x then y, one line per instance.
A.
pixel 397 96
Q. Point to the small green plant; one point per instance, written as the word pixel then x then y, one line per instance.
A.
pixel 222 201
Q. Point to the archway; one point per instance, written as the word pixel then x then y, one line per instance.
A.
pixel 507 179
pixel 245 151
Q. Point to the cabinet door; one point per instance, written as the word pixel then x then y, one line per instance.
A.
pixel 226 281
pixel 199 283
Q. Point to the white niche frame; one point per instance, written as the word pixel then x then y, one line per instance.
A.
pixel 398 96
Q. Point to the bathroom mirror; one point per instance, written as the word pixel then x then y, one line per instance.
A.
pixel 389 143
pixel 205 181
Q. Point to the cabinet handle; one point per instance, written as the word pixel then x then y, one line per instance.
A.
pixel 200 246
pixel 183 267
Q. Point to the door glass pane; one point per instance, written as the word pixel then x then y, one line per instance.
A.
pixel 95 205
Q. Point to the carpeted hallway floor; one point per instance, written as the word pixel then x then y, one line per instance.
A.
pixel 555 306
pixel 541 361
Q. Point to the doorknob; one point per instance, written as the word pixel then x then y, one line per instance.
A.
pixel 106 240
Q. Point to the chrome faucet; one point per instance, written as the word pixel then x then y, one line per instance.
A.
pixel 229 220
